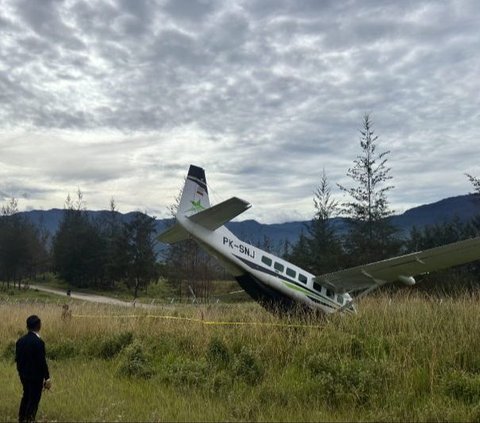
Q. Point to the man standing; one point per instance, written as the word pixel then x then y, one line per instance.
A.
pixel 32 368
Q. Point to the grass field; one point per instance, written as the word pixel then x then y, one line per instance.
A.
pixel 225 291
pixel 401 358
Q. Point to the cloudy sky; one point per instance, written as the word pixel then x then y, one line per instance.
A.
pixel 117 98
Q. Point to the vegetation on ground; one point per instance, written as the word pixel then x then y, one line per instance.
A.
pixel 404 357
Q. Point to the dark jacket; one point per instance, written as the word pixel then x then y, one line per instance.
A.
pixel 30 357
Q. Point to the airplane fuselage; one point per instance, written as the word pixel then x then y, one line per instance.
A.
pixel 272 281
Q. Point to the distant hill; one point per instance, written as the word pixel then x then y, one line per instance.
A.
pixel 464 207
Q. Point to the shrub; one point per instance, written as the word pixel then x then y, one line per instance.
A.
pixel 63 349
pixel 184 373
pixel 220 381
pixel 218 353
pixel 112 345
pixel 247 368
pixel 370 347
pixel 9 351
pixel 462 386
pixel 354 381
pixel 134 362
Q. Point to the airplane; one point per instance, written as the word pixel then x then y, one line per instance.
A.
pixel 282 286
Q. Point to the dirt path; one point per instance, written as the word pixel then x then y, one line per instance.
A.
pixel 94 298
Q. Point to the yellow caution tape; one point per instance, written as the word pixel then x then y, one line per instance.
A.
pixel 194 320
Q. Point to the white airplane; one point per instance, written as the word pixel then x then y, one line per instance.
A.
pixel 279 285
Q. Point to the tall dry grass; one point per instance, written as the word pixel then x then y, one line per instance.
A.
pixel 404 357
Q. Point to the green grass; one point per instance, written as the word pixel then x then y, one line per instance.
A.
pixel 159 292
pixel 13 295
pixel 408 358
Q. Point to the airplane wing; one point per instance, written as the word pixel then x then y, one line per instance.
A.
pixel 402 268
pixel 174 234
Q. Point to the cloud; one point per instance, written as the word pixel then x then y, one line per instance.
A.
pixel 119 97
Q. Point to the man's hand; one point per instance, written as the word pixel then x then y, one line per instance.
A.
pixel 47 384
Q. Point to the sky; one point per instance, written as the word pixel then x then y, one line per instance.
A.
pixel 117 98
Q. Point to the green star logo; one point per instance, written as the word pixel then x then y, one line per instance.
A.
pixel 196 206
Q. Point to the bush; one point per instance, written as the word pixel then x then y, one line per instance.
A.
pixel 187 373
pixel 134 362
pixel 355 381
pixel 9 351
pixel 247 368
pixel 62 350
pixel 462 386
pixel 218 353
pixel 220 381
pixel 114 344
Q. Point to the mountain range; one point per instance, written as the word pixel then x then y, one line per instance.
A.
pixel 464 207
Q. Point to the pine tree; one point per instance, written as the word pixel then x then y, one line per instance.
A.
pixel 475 223
pixel 115 247
pixel 320 250
pixel 141 257
pixel 22 246
pixel 324 246
pixel 371 235
pixel 299 255
pixel 78 246
pixel 475 182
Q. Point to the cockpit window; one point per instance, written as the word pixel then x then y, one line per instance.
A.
pixel 340 299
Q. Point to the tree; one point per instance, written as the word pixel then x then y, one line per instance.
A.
pixel 141 267
pixel 475 182
pixel 300 253
pixel 320 250
pixel 78 246
pixel 116 247
pixel 22 246
pixel 324 245
pixel 475 223
pixel 371 235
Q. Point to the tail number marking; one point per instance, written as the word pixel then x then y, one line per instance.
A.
pixel 241 248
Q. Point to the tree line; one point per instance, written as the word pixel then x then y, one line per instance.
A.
pixel 370 235
pixel 84 252
pixel 108 252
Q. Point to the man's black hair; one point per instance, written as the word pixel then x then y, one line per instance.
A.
pixel 33 322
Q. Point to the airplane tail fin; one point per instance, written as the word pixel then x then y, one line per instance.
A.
pixel 195 205
pixel 195 193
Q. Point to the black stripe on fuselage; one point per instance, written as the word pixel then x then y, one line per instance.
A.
pixel 256 266
pixel 317 301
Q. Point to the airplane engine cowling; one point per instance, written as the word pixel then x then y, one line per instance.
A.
pixel 407 280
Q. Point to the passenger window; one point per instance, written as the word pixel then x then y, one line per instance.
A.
pixel 266 260
pixel 279 267
pixel 330 293
pixel 291 272
pixel 302 278
pixel 317 287
pixel 340 299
